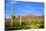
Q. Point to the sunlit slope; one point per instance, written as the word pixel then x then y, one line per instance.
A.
pixel 27 22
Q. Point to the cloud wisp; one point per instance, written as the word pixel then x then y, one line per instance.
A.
pixel 30 0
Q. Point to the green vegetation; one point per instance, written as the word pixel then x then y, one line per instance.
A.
pixel 25 24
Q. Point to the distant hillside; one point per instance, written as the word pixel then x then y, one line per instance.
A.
pixel 31 16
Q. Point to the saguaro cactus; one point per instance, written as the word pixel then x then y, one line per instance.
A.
pixel 12 15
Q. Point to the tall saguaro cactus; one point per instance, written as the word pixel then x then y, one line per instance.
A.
pixel 12 15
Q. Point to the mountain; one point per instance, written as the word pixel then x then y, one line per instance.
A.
pixel 27 16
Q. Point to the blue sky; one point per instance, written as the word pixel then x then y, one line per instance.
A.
pixel 21 8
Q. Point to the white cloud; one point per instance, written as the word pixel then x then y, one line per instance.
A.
pixel 30 0
pixel 14 2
